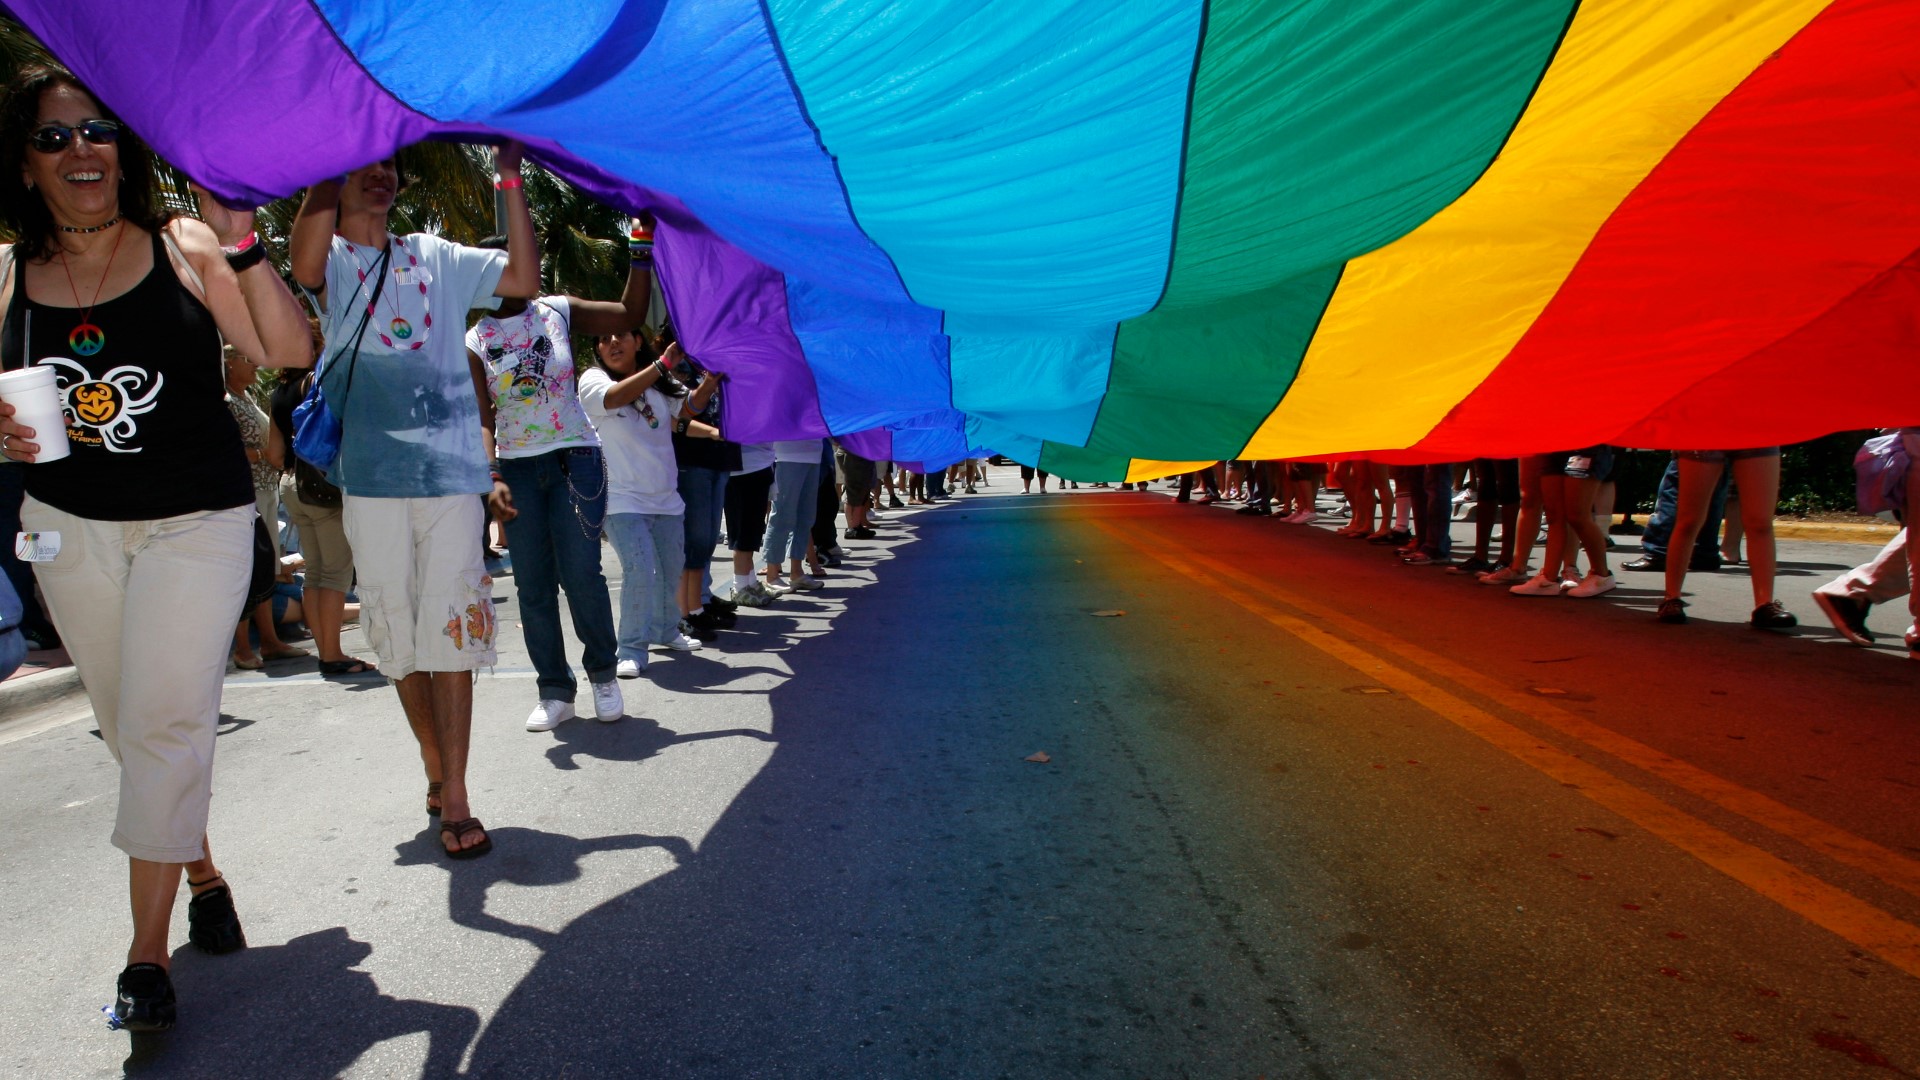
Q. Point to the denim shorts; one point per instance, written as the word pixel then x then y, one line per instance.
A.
pixel 1592 463
pixel 1721 456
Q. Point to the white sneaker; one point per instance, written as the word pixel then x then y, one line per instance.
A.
pixel 776 587
pixel 1502 575
pixel 549 715
pixel 608 704
pixel 682 643
pixel 754 595
pixel 1537 585
pixel 1301 518
pixel 1593 585
pixel 627 669
pixel 807 583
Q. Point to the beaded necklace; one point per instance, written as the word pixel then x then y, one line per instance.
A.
pixel 400 327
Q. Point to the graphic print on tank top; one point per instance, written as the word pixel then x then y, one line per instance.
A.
pixel 105 411
pixel 530 372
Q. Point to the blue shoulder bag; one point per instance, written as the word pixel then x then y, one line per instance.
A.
pixel 316 427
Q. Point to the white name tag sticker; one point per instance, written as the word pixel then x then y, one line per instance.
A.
pixel 411 275
pixel 36 546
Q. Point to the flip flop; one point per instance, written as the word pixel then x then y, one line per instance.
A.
pixel 352 665
pixel 286 652
pixel 433 792
pixel 252 664
pixel 460 829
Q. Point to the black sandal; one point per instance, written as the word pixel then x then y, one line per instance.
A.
pixel 459 830
pixel 351 665
pixel 143 1000
pixel 433 792
pixel 212 924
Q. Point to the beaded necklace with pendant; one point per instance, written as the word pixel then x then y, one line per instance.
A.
pixel 400 327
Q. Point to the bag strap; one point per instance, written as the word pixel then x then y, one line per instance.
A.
pixel 180 259
pixel 380 285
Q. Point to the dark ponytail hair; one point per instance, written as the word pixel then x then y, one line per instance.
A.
pixel 23 211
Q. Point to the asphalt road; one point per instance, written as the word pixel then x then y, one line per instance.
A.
pixel 1307 813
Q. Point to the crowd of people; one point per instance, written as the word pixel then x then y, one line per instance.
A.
pixel 163 554
pixel 157 532
pixel 1571 496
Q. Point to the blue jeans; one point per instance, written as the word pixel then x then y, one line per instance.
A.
pixel 652 557
pixel 705 493
pixel 796 488
pixel 561 499
pixel 1666 504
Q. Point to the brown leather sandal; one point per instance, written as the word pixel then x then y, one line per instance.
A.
pixel 433 792
pixel 459 830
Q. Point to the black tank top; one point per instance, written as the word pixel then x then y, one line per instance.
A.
pixel 145 394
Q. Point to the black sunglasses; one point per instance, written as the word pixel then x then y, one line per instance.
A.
pixel 53 138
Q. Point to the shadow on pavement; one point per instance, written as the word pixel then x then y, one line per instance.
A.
pixel 291 1011
pixel 632 739
pixel 898 894
pixel 526 857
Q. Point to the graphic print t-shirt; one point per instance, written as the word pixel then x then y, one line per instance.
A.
pixel 529 362
pixel 410 425
pixel 145 398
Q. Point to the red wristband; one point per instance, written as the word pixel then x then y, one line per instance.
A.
pixel 508 183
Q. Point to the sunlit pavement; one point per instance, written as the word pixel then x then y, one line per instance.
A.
pixel 1306 813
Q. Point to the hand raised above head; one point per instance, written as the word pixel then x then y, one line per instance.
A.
pixel 230 225
pixel 508 156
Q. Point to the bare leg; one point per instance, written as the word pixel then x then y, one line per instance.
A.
pixel 1759 482
pixel 1532 506
pixel 1510 529
pixel 452 703
pixel 324 608
pixel 1735 528
pixel 243 644
pixel 1580 519
pixel 151 888
pixel 1697 481
pixel 270 642
pixel 1553 499
pixel 689 595
pixel 416 697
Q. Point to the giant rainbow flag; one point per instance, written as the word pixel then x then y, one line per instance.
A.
pixel 1111 237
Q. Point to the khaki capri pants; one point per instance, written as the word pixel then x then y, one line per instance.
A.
pixel 147 611
pixel 323 541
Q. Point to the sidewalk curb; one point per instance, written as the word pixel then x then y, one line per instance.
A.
pixel 36 690
pixel 1834 532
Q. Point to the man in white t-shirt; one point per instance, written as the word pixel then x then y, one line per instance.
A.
pixel 411 463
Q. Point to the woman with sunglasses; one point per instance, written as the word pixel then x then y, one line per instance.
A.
pixel 153 507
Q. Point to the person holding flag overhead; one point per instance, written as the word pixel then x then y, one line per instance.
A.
pixel 411 462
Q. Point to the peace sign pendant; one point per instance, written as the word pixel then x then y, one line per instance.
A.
pixel 402 329
pixel 86 339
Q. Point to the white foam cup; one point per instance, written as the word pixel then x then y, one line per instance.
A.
pixel 35 397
